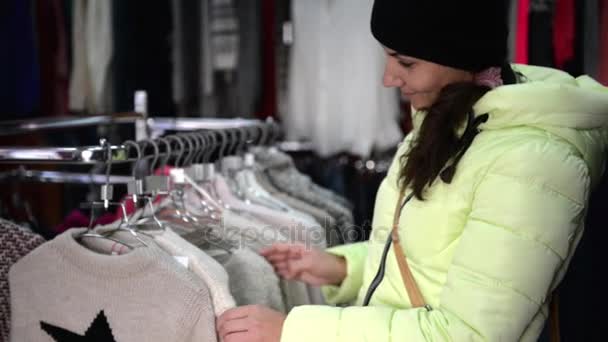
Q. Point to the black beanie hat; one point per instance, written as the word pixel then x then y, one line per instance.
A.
pixel 469 34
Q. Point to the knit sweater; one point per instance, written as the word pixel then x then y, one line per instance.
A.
pixel 332 233
pixel 15 243
pixel 244 231
pixel 252 279
pixel 284 176
pixel 66 291
pixel 201 264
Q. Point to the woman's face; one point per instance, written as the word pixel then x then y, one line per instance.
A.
pixel 419 80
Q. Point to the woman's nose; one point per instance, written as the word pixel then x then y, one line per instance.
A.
pixel 390 80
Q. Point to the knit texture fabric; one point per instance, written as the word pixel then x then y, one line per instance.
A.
pixel 15 243
pixel 201 264
pixel 283 174
pixel 252 279
pixel 64 289
pixel 236 244
pixel 327 221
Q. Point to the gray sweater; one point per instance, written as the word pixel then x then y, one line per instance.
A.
pixel 67 291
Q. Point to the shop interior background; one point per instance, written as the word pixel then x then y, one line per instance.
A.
pixel 310 65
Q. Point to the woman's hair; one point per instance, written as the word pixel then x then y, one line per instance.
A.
pixel 437 140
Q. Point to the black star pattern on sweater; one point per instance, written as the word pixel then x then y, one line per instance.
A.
pixel 99 331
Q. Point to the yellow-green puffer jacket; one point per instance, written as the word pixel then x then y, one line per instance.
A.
pixel 487 249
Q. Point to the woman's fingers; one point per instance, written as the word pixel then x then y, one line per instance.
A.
pixel 233 326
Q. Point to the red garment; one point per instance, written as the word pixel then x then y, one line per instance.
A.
pixel 53 53
pixel 523 27
pixel 269 94
pixel 564 31
pixel 603 72
pixel 78 219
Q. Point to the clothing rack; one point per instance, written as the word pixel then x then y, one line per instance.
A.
pixel 159 126
pixel 34 125
pixel 61 177
pixel 62 155
pixel 86 155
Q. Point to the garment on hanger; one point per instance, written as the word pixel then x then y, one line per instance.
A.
pixel 15 243
pixel 247 231
pixel 320 215
pixel 335 99
pixel 92 41
pixel 19 64
pixel 252 279
pixel 69 289
pixel 283 175
pixel 291 226
pixel 249 66
pixel 591 37
pixel 540 46
pixel 603 68
pixel 564 32
pixel 513 20
pixel 53 52
pixel 523 9
pixel 201 264
pixel 142 54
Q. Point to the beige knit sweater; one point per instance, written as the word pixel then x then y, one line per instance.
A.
pixel 63 291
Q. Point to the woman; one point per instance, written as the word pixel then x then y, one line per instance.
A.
pixel 500 164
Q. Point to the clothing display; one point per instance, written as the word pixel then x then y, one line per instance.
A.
pixel 531 157
pixel 141 295
pixel 54 69
pixel 283 175
pixel 267 131
pixel 591 37
pixel 90 83
pixel 19 62
pixel 252 279
pixel 564 32
pixel 259 227
pixel 203 266
pixel 15 243
pixel 522 31
pixel 603 68
pixel 513 19
pixel 142 50
pixel 336 109
pixel 540 44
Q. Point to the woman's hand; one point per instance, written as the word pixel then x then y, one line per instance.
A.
pixel 253 323
pixel 312 266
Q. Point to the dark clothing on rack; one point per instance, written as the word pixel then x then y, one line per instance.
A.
pixel 142 54
pixel 20 80
pixel 249 68
pixel 269 96
pixel 53 52
pixel 541 33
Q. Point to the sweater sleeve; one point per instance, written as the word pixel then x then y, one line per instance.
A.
pixel 203 327
pixel 355 255
pixel 519 233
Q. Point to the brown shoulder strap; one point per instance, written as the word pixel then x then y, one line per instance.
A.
pixel 554 329
pixel 406 274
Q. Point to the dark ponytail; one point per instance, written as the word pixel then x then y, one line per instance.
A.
pixel 437 141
